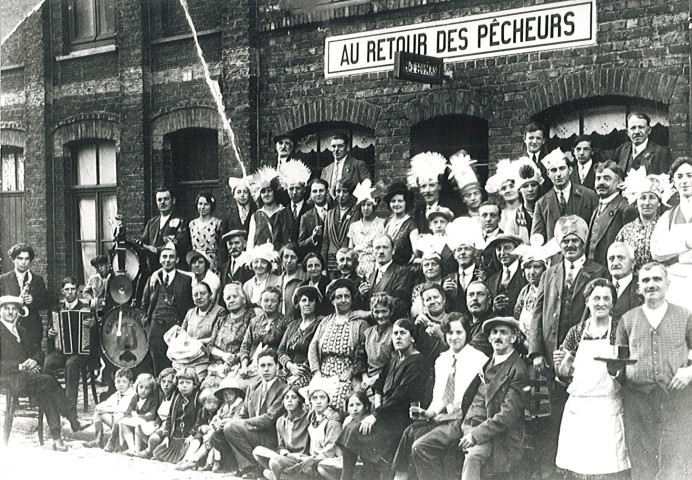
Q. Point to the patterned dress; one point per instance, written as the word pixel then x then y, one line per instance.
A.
pixel 362 236
pixel 227 336
pixel 638 236
pixel 206 237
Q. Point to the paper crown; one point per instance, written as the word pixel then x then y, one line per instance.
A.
pixel 553 158
pixel 571 225
pixel 292 172
pixel 536 253
pixel 262 178
pixel 461 166
pixel 505 172
pixel 638 182
pixel 264 251
pixel 426 168
pixel 526 171
pixel 366 191
pixel 235 182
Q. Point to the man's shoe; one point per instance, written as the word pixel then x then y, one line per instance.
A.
pixel 186 465
pixel 59 446
pixel 95 443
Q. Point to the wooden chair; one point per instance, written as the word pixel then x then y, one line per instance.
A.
pixel 87 378
pixel 20 406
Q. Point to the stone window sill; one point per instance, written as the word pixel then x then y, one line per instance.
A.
pixel 86 52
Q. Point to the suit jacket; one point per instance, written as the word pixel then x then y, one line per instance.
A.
pixel 354 169
pixel 308 222
pixel 582 202
pixel 543 335
pixel 396 281
pixel 604 228
pixel 242 274
pixel 176 226
pixel 336 233
pixel 270 409
pixel 457 299
pixel 654 157
pixel 516 283
pixel 182 289
pixel 232 219
pixel 590 179
pixel 12 353
pixel 292 224
pixel 41 301
pixel 629 299
pixel 500 405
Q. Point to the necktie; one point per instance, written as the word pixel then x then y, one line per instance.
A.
pixel 166 278
pixel 462 279
pixel 448 395
pixel 506 277
pixel 263 393
pixel 295 211
pixel 562 202
pixel 569 279
pixel 534 156
pixel 25 281
pixel 617 286
pixel 636 161
pixel 335 176
pixel 601 207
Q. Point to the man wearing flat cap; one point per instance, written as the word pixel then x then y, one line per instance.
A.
pixel 29 286
pixel 492 433
pixel 506 284
pixel 559 306
pixel 236 269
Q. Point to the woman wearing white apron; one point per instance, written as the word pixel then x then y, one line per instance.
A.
pixel 671 242
pixel 592 437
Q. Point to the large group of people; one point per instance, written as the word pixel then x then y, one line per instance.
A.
pixel 332 326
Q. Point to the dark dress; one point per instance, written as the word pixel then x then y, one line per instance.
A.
pixel 400 383
pixel 178 428
pixel 294 348
pixel 403 249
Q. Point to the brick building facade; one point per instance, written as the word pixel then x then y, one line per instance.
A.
pixel 102 106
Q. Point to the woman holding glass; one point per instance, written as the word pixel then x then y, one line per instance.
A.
pixel 592 436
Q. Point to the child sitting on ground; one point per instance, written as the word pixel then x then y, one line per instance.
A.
pixel 358 407
pixel 140 413
pixel 210 407
pixel 152 433
pixel 178 427
pixel 112 410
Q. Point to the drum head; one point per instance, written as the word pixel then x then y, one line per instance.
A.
pixel 123 338
pixel 130 265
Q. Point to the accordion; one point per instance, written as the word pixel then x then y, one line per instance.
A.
pixel 73 337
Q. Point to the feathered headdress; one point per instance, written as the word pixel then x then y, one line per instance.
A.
pixel 264 251
pixel 426 168
pixel 262 178
pixel 553 158
pixel 366 191
pixel 638 182
pixel 526 171
pixel 430 245
pixel 292 172
pixel 461 166
pixel 505 172
pixel 465 231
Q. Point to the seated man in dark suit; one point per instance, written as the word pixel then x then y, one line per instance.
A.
pixel 388 277
pixel 23 282
pixel 344 167
pixel 167 298
pixel 311 228
pixel 492 431
pixel 640 151
pixel 506 284
pixel 621 269
pixel 20 367
pixel 263 405
pixel 165 227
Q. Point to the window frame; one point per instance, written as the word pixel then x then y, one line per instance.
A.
pixel 98 192
pixel 99 38
pixel 16 152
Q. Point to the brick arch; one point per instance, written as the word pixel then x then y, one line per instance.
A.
pixel 329 110
pixel 182 116
pixel 102 125
pixel 631 82
pixel 449 102
pixel 12 134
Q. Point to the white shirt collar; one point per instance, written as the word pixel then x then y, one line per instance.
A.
pixel 489 236
pixel 163 220
pixel 498 359
pixel 468 271
pixel 268 385
pixel 71 306
pixel 12 327
pixel 607 200
pixel 623 283
pixel 171 274
pixel 20 277
pixel 584 169
pixel 566 191
pixel 512 268
pixel 655 315
pixel 637 149
pixel 383 268
pixel 578 264
pixel 298 205
pixel 433 208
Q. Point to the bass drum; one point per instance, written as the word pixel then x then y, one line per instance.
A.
pixel 123 338
pixel 128 257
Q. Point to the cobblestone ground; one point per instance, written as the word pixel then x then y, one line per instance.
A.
pixel 25 458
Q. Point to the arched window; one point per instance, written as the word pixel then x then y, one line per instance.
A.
pixel 605 119
pixel 313 144
pixel 450 133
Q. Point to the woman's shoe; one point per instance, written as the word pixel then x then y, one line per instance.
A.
pixel 186 465
pixel 143 454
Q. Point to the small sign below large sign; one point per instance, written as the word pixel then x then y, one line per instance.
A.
pixel 418 68
pixel 542 27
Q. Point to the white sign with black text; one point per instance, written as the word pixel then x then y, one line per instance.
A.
pixel 530 29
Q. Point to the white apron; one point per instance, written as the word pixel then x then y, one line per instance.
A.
pixel 592 435
pixel 680 274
